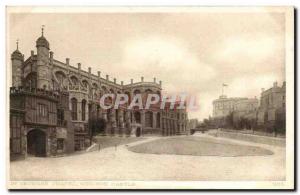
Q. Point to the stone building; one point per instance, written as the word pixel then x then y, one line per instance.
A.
pixel 239 107
pixel 174 121
pixel 193 123
pixel 223 106
pixel 267 114
pixel 245 108
pixel 272 106
pixel 51 102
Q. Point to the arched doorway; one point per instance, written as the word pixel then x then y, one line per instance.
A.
pixel 138 132
pixel 36 143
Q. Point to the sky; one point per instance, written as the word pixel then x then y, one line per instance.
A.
pixel 191 52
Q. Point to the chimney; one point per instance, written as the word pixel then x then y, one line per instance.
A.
pixel 122 82
pixel 142 79
pixel 79 66
pixel 154 80
pixel 115 80
pixel 90 70
pixel 51 54
pixel 131 81
pixel 275 84
pixel 68 61
pixel 107 77
pixel 99 74
pixel 160 83
pixel 32 53
pixel 262 89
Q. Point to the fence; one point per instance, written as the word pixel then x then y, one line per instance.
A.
pixel 244 136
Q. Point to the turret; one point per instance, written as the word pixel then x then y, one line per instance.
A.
pixel 17 59
pixel 43 66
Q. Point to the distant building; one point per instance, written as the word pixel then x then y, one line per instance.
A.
pixel 192 124
pixel 239 107
pixel 246 108
pixel 224 106
pixel 268 114
pixel 272 106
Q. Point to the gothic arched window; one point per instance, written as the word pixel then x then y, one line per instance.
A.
pixel 74 108
pixel 83 105
pixel 149 119
pixel 158 120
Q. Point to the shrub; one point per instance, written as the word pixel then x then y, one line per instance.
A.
pixel 96 126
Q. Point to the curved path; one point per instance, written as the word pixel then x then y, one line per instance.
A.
pixel 121 164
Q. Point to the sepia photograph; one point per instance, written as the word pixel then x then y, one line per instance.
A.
pixel 150 97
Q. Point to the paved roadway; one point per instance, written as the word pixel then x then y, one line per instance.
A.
pixel 122 164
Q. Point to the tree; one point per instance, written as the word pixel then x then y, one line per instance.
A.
pixel 206 122
pixel 192 131
pixel 229 120
pixel 96 126
pixel 280 122
pixel 245 123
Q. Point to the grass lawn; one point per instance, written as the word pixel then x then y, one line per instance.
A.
pixel 107 141
pixel 198 146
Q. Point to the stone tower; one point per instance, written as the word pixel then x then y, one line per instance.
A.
pixel 17 59
pixel 43 66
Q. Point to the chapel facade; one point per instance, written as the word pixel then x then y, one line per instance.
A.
pixel 51 102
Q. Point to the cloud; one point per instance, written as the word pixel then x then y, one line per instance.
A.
pixel 193 52
pixel 260 47
pixel 253 51
pixel 250 86
pixel 176 65
pixel 204 103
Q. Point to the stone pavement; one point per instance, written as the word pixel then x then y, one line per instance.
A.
pixel 121 164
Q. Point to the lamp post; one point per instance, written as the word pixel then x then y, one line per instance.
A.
pixel 223 109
